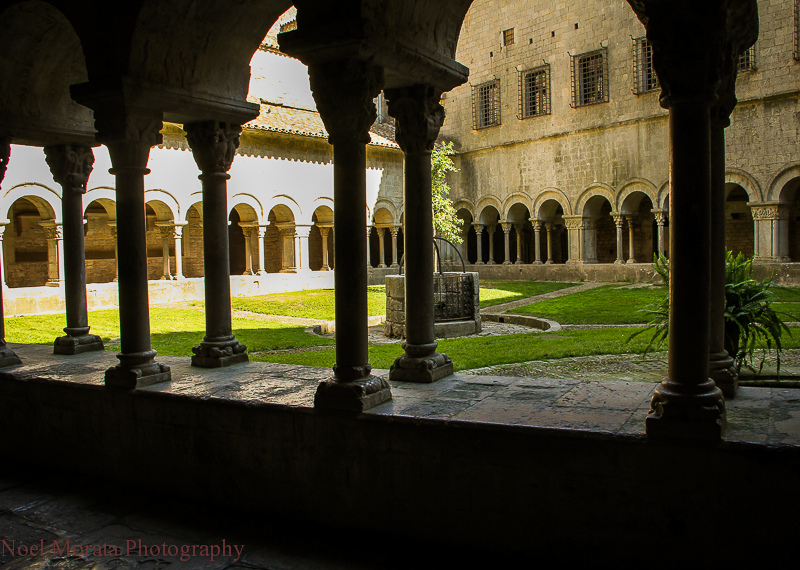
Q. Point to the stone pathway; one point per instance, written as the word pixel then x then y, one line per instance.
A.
pixel 503 307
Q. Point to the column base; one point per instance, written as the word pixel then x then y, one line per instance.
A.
pixel 723 371
pixel 429 368
pixel 352 395
pixel 136 370
pixel 219 353
pixel 506 263
pixel 479 263
pixel 77 344
pixel 538 262
pixel 619 262
pixel 8 357
pixel 698 415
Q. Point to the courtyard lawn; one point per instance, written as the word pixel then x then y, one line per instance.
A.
pixel 477 352
pixel 496 292
pixel 606 305
pixel 788 303
pixel 174 331
pixel 314 304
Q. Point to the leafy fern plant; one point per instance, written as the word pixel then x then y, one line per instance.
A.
pixel 751 322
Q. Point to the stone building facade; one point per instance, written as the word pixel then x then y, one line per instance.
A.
pixel 562 142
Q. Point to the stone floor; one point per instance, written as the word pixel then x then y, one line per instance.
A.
pixel 50 509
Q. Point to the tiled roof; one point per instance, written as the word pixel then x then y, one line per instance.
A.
pixel 280 119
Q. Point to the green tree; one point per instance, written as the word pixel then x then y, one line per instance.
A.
pixel 445 222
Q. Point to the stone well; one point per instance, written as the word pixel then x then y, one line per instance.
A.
pixel 456 305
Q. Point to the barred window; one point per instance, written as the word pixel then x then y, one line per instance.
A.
pixel 589 78
pixel 534 92
pixel 747 60
pixel 508 37
pixel 644 75
pixel 486 104
pixel 797 29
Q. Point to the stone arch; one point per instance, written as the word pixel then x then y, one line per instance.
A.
pixel 465 204
pixel 514 199
pixel 383 218
pixel 739 224
pixel 46 200
pixel 492 234
pixel 469 246
pixel 278 241
pixel 27 248
pixel 599 235
pixel 779 182
pixel 784 189
pixel 520 234
pixel 636 208
pixel 735 176
pixel 100 236
pixel 320 237
pixel 248 206
pixel 192 249
pixel 663 196
pixel 639 186
pixel 555 195
pixel 487 202
pixel 286 209
pixel 553 245
pixel 165 204
pixel 42 57
pixel 596 189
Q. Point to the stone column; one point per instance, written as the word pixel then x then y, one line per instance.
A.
pixel 492 229
pixel 619 221
pixel 631 239
pixel 381 246
pixel 55 252
pixel 661 221
pixel 507 237
pixel 519 228
pixel 721 366
pixel 574 226
pixel 286 230
pixel 7 356
pixel 324 230
pixel 167 230
pixel 129 134
pixel 112 225
pixel 549 227
pixel 247 231
pixel 369 247
pixel 344 91
pixel 394 230
pixel 479 235
pixel 537 232
pixel 301 247
pixel 71 166
pixel 419 117
pixel 262 248
pixel 3 226
pixel 179 250
pixel 686 38
pixel 589 248
pixel 214 147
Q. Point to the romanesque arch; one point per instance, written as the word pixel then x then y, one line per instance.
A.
pixel 32 239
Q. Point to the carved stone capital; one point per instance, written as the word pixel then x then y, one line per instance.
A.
pixel 573 223
pixel 128 136
pixel 52 230
pixel 167 231
pixel 769 212
pixel 213 145
pixel 70 165
pixel 419 117
pixel 344 91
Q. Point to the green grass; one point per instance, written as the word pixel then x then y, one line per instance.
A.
pixel 173 331
pixel 314 304
pixel 496 292
pixel 477 352
pixel 609 305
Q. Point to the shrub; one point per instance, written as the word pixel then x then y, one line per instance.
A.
pixel 751 323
